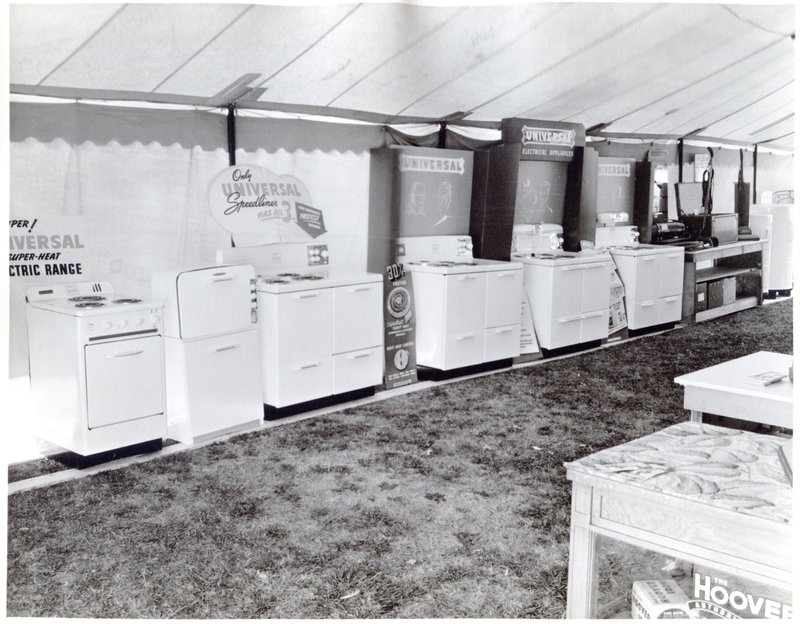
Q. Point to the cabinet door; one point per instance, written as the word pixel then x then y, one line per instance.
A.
pixel 596 288
pixel 357 317
pixel 647 277
pixel 671 274
pixel 124 380
pixel 465 302
pixel 304 326
pixel 503 297
pixel 567 293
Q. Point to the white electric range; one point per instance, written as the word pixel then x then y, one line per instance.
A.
pixel 568 292
pixel 320 328
pixel 96 368
pixel 467 309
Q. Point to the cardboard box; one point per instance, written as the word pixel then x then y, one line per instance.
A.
pixel 701 297
pixel 728 290
pixel 714 294
pixel 658 599
pixel 720 595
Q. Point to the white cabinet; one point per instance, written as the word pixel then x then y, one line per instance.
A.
pixel 465 319
pixel 320 342
pixel 653 280
pixel 569 299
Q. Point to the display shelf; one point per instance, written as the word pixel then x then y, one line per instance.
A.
pixel 718 272
pixel 741 261
pixel 740 304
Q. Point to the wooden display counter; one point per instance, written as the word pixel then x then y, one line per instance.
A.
pixel 712 496
pixel 740 261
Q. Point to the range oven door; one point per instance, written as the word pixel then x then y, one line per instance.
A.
pixel 124 380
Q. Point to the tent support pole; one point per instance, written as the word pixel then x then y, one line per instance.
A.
pixel 680 160
pixel 442 134
pixel 231 134
pixel 755 171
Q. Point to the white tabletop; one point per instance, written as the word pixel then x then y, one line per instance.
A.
pixel 732 376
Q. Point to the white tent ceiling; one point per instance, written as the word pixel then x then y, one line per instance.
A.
pixel 672 70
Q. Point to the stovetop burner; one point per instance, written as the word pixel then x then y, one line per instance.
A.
pixel 127 301
pixel 309 277
pixel 88 298
pixel 89 304
pixel 292 275
pixel 273 280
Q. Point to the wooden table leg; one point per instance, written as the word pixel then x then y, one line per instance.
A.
pixel 582 583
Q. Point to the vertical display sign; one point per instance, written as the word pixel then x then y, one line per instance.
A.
pixel 400 326
pixel 615 188
pixel 435 191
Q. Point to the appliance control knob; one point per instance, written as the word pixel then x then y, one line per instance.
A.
pixel 90 327
pixel 123 323
pixel 139 321
pixel 107 325
pixel 154 319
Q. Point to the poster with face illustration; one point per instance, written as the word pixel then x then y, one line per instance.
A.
pixel 435 191
pixel 541 192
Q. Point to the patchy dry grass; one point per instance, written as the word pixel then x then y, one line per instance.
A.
pixel 448 502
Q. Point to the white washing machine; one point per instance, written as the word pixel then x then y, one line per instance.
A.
pixel 213 367
pixel 96 368
pixel 467 309
pixel 568 293
pixel 320 328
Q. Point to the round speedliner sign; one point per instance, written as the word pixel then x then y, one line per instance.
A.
pixel 259 207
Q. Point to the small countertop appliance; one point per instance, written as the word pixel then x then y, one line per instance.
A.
pixel 212 353
pixel 96 368
pixel 320 327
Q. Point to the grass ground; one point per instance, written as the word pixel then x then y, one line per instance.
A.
pixel 447 502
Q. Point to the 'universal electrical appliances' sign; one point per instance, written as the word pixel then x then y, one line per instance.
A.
pixel 259 207
pixel 544 140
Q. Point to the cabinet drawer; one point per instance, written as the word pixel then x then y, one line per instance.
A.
pixel 643 314
pixel 501 343
pixel 358 369
pixel 564 331
pixel 464 349
pixel 301 381
pixel 357 317
pixel 223 384
pixel 669 309
pixel 594 325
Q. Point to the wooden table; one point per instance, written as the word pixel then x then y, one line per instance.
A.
pixel 723 390
pixel 712 496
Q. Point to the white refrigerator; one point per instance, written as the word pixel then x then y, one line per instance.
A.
pixel 212 359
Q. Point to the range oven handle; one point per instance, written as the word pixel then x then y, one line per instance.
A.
pixel 126 353
pixel 221 279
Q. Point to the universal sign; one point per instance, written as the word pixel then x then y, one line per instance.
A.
pixel 259 207
pixel 621 171
pixel 543 140
pixel 428 163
